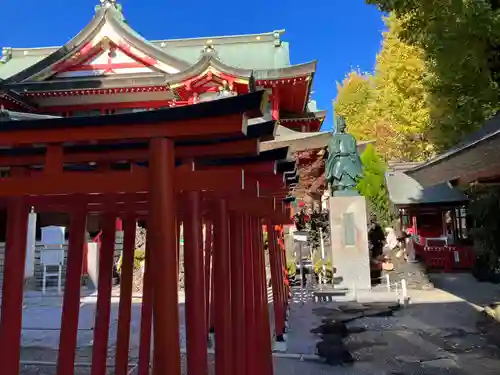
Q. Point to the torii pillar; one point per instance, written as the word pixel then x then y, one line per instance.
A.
pixel 222 290
pixel 194 279
pixel 13 285
pixel 163 228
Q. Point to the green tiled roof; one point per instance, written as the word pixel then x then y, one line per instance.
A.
pixel 16 65
pixel 254 55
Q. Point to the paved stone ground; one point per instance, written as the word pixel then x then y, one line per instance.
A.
pixel 303 319
pixel 41 322
pixel 441 332
pixel 51 369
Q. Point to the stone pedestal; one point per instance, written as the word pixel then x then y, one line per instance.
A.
pixel 349 241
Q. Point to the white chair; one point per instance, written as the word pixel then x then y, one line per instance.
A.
pixel 52 255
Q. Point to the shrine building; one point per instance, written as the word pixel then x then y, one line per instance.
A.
pixel 109 68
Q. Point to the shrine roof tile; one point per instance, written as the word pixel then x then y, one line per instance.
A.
pixel 404 190
pixel 15 65
pixel 6 115
pixel 490 129
pixel 302 141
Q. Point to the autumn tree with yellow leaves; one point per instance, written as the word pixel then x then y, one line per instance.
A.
pixel 390 106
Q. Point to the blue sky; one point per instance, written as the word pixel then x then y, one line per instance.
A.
pixel 341 34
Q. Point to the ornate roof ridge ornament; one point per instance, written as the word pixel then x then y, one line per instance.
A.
pixel 209 50
pixel 6 55
pixel 225 90
pixel 277 38
pixel 105 4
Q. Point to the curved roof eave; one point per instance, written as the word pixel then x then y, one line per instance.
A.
pixel 263 74
pixel 16 98
pixel 292 71
pixel 316 115
pixel 308 96
pixel 69 48
pixel 203 64
pixel 7 115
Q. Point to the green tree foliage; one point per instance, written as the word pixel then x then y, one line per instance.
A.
pixel 372 185
pixel 316 223
pixel 318 226
pixel 483 209
pixel 461 44
pixel 291 268
pixel 390 106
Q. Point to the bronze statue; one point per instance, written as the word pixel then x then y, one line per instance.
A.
pixel 343 166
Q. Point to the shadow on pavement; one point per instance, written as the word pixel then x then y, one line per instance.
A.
pixel 441 332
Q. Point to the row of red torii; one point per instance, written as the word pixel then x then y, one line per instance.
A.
pixel 153 166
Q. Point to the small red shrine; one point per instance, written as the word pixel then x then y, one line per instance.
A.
pixel 113 126
pixel 435 216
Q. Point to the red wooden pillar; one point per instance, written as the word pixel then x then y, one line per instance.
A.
pixel 125 306
pixel 276 280
pixel 212 298
pixel 258 298
pixel 285 285
pixel 222 291
pixel 208 271
pixel 162 225
pixel 178 224
pixel 275 112
pixel 282 274
pixel 251 358
pixel 13 285
pixel 276 274
pixel 71 304
pixel 103 306
pixel 282 248
pixel 146 311
pixel 194 283
pixel 262 309
pixel 237 281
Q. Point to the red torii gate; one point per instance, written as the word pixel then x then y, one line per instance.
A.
pixel 149 186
